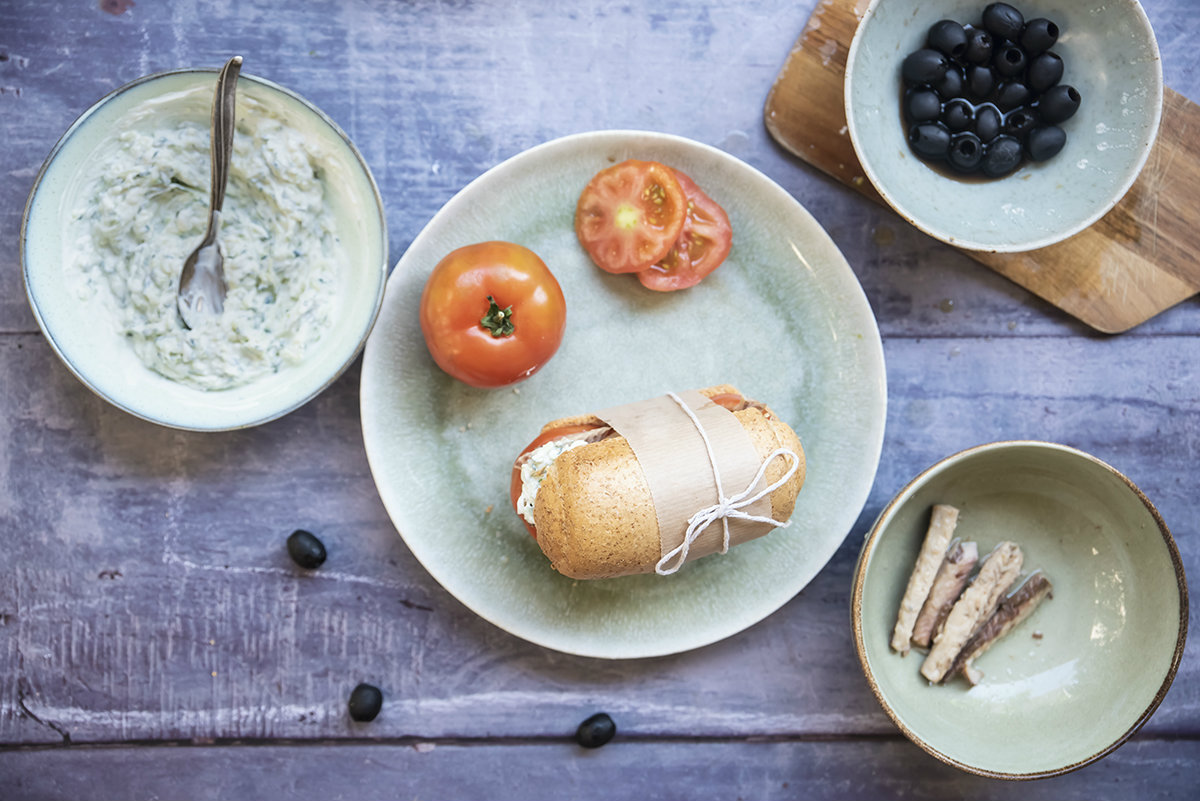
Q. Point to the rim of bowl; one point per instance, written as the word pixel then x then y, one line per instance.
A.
pixel 904 495
pixel 61 143
pixel 1034 244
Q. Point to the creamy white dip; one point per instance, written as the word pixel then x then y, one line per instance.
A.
pixel 533 472
pixel 147 209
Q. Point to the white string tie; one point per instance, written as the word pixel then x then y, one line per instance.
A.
pixel 726 507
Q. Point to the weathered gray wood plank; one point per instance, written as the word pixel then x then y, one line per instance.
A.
pixel 151 597
pixel 436 93
pixel 145 595
pixel 625 769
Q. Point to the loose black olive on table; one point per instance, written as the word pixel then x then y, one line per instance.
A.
pixel 365 702
pixel 595 731
pixel 305 549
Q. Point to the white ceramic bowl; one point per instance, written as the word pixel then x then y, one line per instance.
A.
pixel 1111 638
pixel 1111 57
pixel 82 330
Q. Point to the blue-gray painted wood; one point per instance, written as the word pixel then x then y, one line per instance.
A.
pixel 145 596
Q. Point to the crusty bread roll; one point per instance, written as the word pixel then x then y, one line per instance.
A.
pixel 594 514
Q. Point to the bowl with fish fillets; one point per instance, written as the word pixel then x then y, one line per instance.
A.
pixel 1019 609
pixel 122 200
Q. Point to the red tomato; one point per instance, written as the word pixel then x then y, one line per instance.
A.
pixel 702 246
pixel 629 215
pixel 514 487
pixel 730 400
pixel 492 314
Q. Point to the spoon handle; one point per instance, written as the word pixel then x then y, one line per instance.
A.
pixel 223 118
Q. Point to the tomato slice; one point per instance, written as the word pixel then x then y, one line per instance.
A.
pixel 629 215
pixel 514 487
pixel 730 400
pixel 702 245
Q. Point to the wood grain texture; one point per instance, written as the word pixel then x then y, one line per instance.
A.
pixel 156 641
pixel 1133 263
pixel 557 770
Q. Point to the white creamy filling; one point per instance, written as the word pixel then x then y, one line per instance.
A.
pixel 147 210
pixel 533 472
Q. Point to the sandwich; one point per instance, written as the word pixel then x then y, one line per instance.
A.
pixel 648 486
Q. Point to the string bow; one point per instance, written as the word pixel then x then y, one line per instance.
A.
pixel 725 507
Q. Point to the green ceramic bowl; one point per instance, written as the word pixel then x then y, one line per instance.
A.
pixel 82 326
pixel 1111 637
pixel 1111 57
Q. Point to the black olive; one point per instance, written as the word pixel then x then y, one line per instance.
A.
pixel 923 66
pixel 930 140
pixel 987 123
pixel 981 80
pixel 305 549
pixel 1058 103
pixel 595 731
pixel 958 115
pixel 1045 142
pixel 922 105
pixel 1004 21
pixel 1002 157
pixel 365 703
pixel 1039 35
pixel 951 84
pixel 1009 60
pixel 966 151
pixel 1011 94
pixel 949 37
pixel 1044 71
pixel 1019 122
pixel 979 47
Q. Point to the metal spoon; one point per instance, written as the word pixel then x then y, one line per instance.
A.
pixel 202 282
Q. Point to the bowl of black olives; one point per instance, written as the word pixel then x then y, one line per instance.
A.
pixel 1003 127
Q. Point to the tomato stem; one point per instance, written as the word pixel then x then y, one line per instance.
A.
pixel 498 322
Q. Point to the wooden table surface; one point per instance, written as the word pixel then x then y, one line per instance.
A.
pixel 155 640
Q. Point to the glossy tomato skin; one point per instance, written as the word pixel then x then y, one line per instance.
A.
pixel 514 485
pixel 629 215
pixel 703 244
pixel 459 294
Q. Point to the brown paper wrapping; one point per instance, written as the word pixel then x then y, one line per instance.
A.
pixel 679 472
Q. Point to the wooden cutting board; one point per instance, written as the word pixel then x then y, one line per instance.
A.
pixel 1133 263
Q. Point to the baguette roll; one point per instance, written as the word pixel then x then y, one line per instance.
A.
pixel 594 514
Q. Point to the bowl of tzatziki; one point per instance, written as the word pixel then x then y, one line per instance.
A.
pixel 123 198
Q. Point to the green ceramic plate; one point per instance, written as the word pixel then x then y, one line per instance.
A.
pixel 784 319
pixel 1111 636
